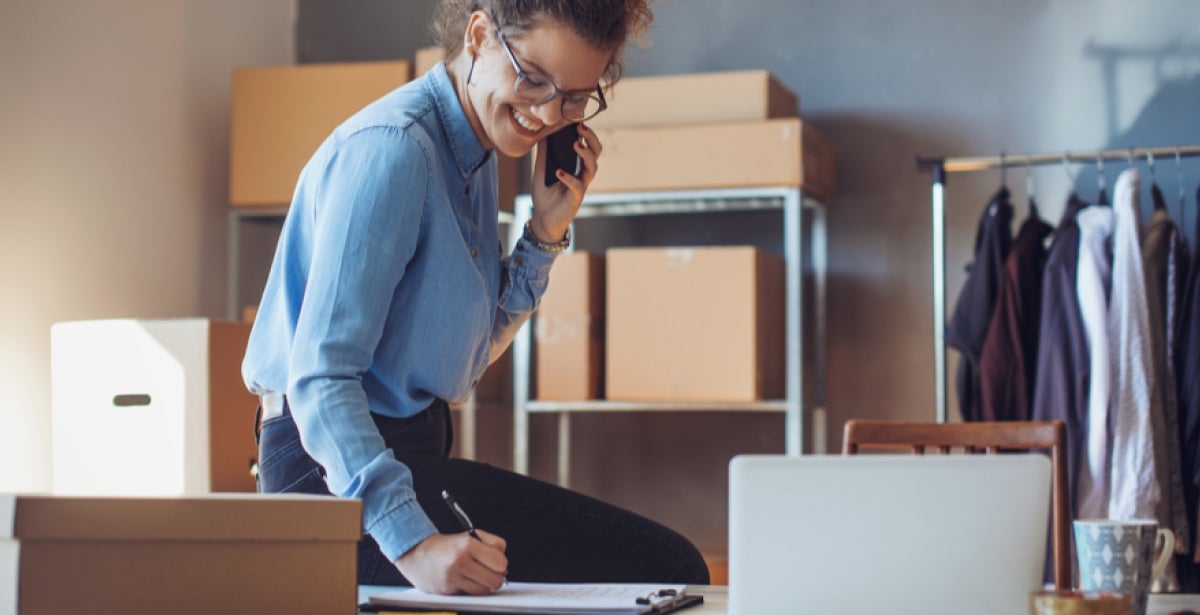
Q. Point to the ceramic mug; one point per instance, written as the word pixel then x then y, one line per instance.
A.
pixel 1116 556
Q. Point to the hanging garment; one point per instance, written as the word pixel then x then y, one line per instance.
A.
pixel 1160 243
pixel 1162 255
pixel 968 326
pixel 1092 285
pixel 1007 365
pixel 1187 369
pixel 1060 390
pixel 1134 481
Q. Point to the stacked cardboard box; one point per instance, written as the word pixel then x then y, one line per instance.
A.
pixel 709 130
pixel 694 324
pixel 282 114
pixel 569 330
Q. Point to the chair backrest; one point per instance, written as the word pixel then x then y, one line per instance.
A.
pixel 982 438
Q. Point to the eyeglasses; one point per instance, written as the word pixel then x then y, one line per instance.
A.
pixel 538 89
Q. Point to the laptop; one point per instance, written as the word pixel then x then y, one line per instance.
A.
pixel 939 534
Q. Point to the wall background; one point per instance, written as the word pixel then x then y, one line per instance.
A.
pixel 112 162
pixel 114 119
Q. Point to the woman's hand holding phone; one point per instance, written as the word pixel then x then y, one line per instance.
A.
pixel 556 203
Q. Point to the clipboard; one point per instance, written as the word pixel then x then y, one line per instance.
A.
pixel 544 598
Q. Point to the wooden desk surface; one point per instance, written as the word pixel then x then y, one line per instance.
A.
pixel 716 600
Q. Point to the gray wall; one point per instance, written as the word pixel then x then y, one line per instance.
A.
pixel 883 80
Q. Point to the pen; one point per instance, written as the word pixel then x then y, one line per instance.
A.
pixel 461 515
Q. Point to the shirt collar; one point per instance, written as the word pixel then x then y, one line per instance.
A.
pixel 469 153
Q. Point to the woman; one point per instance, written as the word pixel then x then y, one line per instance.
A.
pixel 388 298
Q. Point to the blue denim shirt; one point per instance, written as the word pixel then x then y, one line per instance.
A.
pixel 389 289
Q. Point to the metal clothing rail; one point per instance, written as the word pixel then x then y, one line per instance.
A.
pixel 939 167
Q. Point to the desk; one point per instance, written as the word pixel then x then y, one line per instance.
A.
pixel 716 600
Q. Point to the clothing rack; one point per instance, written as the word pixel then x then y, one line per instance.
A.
pixel 941 166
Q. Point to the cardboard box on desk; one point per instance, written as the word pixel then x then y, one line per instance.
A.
pixel 208 554
pixel 697 98
pixel 569 330
pixel 282 114
pixel 694 324
pixel 780 152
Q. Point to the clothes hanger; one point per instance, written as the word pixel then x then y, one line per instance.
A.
pixel 1156 194
pixel 1030 189
pixel 1102 199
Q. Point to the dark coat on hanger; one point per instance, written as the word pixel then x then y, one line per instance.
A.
pixel 967 329
pixel 1008 365
pixel 1187 371
pixel 1060 391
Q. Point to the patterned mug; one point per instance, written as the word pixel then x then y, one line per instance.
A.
pixel 1116 556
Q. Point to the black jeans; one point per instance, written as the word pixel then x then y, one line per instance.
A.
pixel 553 534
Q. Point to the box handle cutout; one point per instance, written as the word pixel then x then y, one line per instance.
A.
pixel 123 401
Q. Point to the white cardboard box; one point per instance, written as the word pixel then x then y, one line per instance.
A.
pixel 150 407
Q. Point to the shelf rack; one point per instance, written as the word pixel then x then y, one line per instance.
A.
pixel 792 202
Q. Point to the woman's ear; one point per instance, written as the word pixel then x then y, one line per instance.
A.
pixel 478 27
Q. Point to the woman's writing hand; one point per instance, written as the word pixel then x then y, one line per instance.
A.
pixel 456 564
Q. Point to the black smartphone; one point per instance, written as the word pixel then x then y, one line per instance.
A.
pixel 560 153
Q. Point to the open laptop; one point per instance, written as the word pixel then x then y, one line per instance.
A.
pixel 945 534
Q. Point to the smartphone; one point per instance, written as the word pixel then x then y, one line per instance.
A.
pixel 560 153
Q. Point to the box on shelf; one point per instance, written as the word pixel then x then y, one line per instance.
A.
pixel 281 114
pixel 781 152
pixel 207 554
pixel 569 330
pixel 150 407
pixel 426 58
pixel 697 98
pixel 694 324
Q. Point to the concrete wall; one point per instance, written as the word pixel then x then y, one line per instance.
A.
pixel 113 177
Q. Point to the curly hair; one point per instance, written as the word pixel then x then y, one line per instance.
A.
pixel 604 24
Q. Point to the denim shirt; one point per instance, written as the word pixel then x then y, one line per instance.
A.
pixel 389 289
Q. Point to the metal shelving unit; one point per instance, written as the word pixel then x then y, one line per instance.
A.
pixel 792 203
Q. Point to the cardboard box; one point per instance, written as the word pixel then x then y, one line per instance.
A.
pixel 699 98
pixel 427 58
pixel 694 324
pixel 201 555
pixel 281 114
pixel 150 407
pixel 569 330
pixel 784 152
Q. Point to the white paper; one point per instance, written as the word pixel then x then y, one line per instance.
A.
pixel 8 515
pixel 10 558
pixel 535 597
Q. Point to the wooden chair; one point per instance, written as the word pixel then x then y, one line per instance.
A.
pixel 979 438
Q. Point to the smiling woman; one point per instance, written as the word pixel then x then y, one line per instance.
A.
pixel 387 299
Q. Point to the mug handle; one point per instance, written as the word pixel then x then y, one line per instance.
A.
pixel 1168 550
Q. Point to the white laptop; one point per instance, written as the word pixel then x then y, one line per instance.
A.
pixel 944 534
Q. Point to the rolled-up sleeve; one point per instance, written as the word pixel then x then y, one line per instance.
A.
pixel 525 274
pixel 370 192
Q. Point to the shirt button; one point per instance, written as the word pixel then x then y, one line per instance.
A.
pixel 517 260
pixel 474 253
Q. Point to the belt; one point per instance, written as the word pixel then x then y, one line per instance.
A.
pixel 272 406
